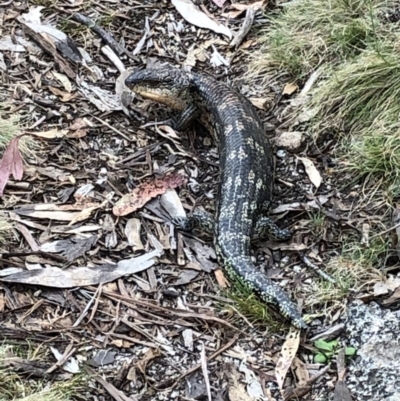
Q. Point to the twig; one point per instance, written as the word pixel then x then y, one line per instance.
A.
pixel 203 359
pixel 317 270
pixel 107 51
pixel 69 351
pixel 89 304
pixel 114 129
pixel 385 231
pixel 245 28
pixel 194 368
pixel 116 394
pixel 108 39
pixel 305 387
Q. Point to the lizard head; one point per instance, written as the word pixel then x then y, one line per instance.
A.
pixel 164 85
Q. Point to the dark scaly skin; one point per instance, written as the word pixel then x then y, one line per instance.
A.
pixel 246 171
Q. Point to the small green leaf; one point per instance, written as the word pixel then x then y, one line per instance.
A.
pixel 320 358
pixel 350 351
pixel 326 346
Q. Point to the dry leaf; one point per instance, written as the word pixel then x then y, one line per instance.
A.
pixel 54 173
pixel 84 214
pixel 71 365
pixel 132 232
pixel 384 287
pixel 203 362
pixel 83 276
pixel 236 390
pixel 71 248
pixel 171 202
pixel 393 298
pixel 248 43
pixel 79 128
pixel 253 385
pixel 3 65
pixel 144 192
pixel 148 356
pixel 289 89
pixel 221 280
pixel 51 215
pixel 52 40
pixel 167 132
pixel 232 14
pixel 217 59
pixel 243 7
pixel 64 80
pixel 51 134
pixel 202 252
pixel 124 94
pixel 259 102
pixel 219 3
pixel 7 44
pixel 186 277
pixel 289 349
pixel 103 99
pixel 11 164
pixel 192 14
pixel 312 172
pixel 64 96
pixel 315 204
pixel 289 140
pixel 299 369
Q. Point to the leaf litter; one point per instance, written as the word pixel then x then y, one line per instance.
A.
pixel 92 160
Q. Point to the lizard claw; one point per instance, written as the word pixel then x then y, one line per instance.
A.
pixel 183 223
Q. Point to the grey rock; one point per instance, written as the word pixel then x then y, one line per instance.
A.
pixel 289 140
pixel 374 375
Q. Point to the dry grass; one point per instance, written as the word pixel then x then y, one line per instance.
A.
pixel 5 229
pixel 309 33
pixel 8 127
pixel 17 388
pixel 354 271
pixel 252 307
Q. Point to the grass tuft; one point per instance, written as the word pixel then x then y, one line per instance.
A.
pixel 252 307
pixel 352 271
pixel 17 388
pixel 5 229
pixel 360 94
pixel 309 33
pixel 8 128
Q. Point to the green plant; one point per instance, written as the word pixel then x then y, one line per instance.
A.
pixel 328 349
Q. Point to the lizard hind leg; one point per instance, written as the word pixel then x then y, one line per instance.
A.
pixel 197 219
pixel 265 227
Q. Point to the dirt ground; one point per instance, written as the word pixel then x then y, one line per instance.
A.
pixel 118 297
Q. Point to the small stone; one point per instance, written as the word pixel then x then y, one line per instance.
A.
pixel 297 269
pixel 285 260
pixel 281 154
pixel 289 140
